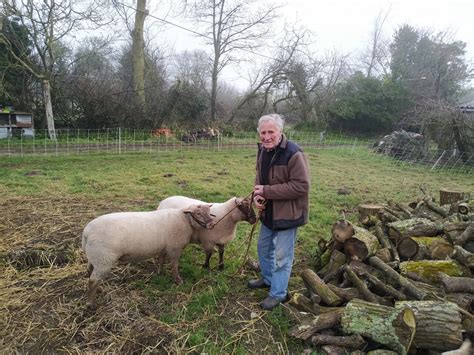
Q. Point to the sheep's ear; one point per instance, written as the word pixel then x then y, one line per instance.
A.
pixel 190 209
pixel 238 200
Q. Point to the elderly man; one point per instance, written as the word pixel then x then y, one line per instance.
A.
pixel 281 192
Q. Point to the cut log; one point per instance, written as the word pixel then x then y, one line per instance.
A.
pixel 318 323
pixel 429 269
pixel 467 235
pixel 302 303
pixel 361 245
pixel 399 214
pixel 414 227
pixel 366 210
pixel 468 324
pixel 435 208
pixel 463 300
pixel 433 292
pixel 333 350
pixel 382 286
pixel 342 230
pixel 333 268
pixel 384 254
pixel 406 209
pixel 360 285
pixel 402 281
pixel 369 221
pixel 387 217
pixel 456 284
pixel 463 208
pixel 407 248
pixel 438 324
pixel 463 256
pixel 435 248
pixel 316 285
pixel 346 294
pixel 361 268
pixel 350 341
pixel 454 229
pixel 392 327
pixel 385 242
pixel 448 196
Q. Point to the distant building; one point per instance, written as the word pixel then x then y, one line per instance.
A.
pixel 16 123
pixel 466 103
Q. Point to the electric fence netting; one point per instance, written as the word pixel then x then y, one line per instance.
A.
pixel 124 141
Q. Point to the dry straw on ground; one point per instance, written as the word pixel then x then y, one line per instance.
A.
pixel 43 284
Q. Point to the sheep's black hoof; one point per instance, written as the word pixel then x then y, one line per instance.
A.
pixel 221 267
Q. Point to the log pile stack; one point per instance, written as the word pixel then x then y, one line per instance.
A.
pixel 398 281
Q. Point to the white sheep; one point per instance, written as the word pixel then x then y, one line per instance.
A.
pixel 135 236
pixel 223 232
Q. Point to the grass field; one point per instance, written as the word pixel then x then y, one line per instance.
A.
pixel 46 201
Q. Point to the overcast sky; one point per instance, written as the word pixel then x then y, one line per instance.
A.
pixel 346 25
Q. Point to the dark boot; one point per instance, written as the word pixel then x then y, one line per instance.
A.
pixel 253 284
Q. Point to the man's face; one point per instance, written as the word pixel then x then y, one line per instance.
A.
pixel 270 135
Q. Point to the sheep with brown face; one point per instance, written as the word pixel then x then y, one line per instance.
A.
pixel 136 236
pixel 235 210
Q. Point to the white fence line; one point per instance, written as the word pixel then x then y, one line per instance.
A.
pixel 121 141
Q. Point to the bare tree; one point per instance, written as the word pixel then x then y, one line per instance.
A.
pixel 271 74
pixel 375 58
pixel 48 23
pixel 230 26
pixel 138 55
pixel 195 67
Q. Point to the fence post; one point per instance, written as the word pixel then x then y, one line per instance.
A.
pixel 437 161
pixel 353 145
pixel 120 140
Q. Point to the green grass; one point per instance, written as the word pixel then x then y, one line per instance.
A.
pixel 211 303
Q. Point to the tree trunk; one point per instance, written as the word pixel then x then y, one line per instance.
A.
pixel 448 196
pixel 48 107
pixel 215 73
pixel 138 57
pixel 438 324
pixel 368 210
pixel 393 327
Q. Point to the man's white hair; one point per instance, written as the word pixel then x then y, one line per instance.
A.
pixel 274 117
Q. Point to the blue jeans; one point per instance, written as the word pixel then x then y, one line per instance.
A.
pixel 275 254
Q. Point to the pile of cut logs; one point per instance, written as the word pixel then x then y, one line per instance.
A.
pixel 397 282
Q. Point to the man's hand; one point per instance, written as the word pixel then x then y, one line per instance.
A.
pixel 258 198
